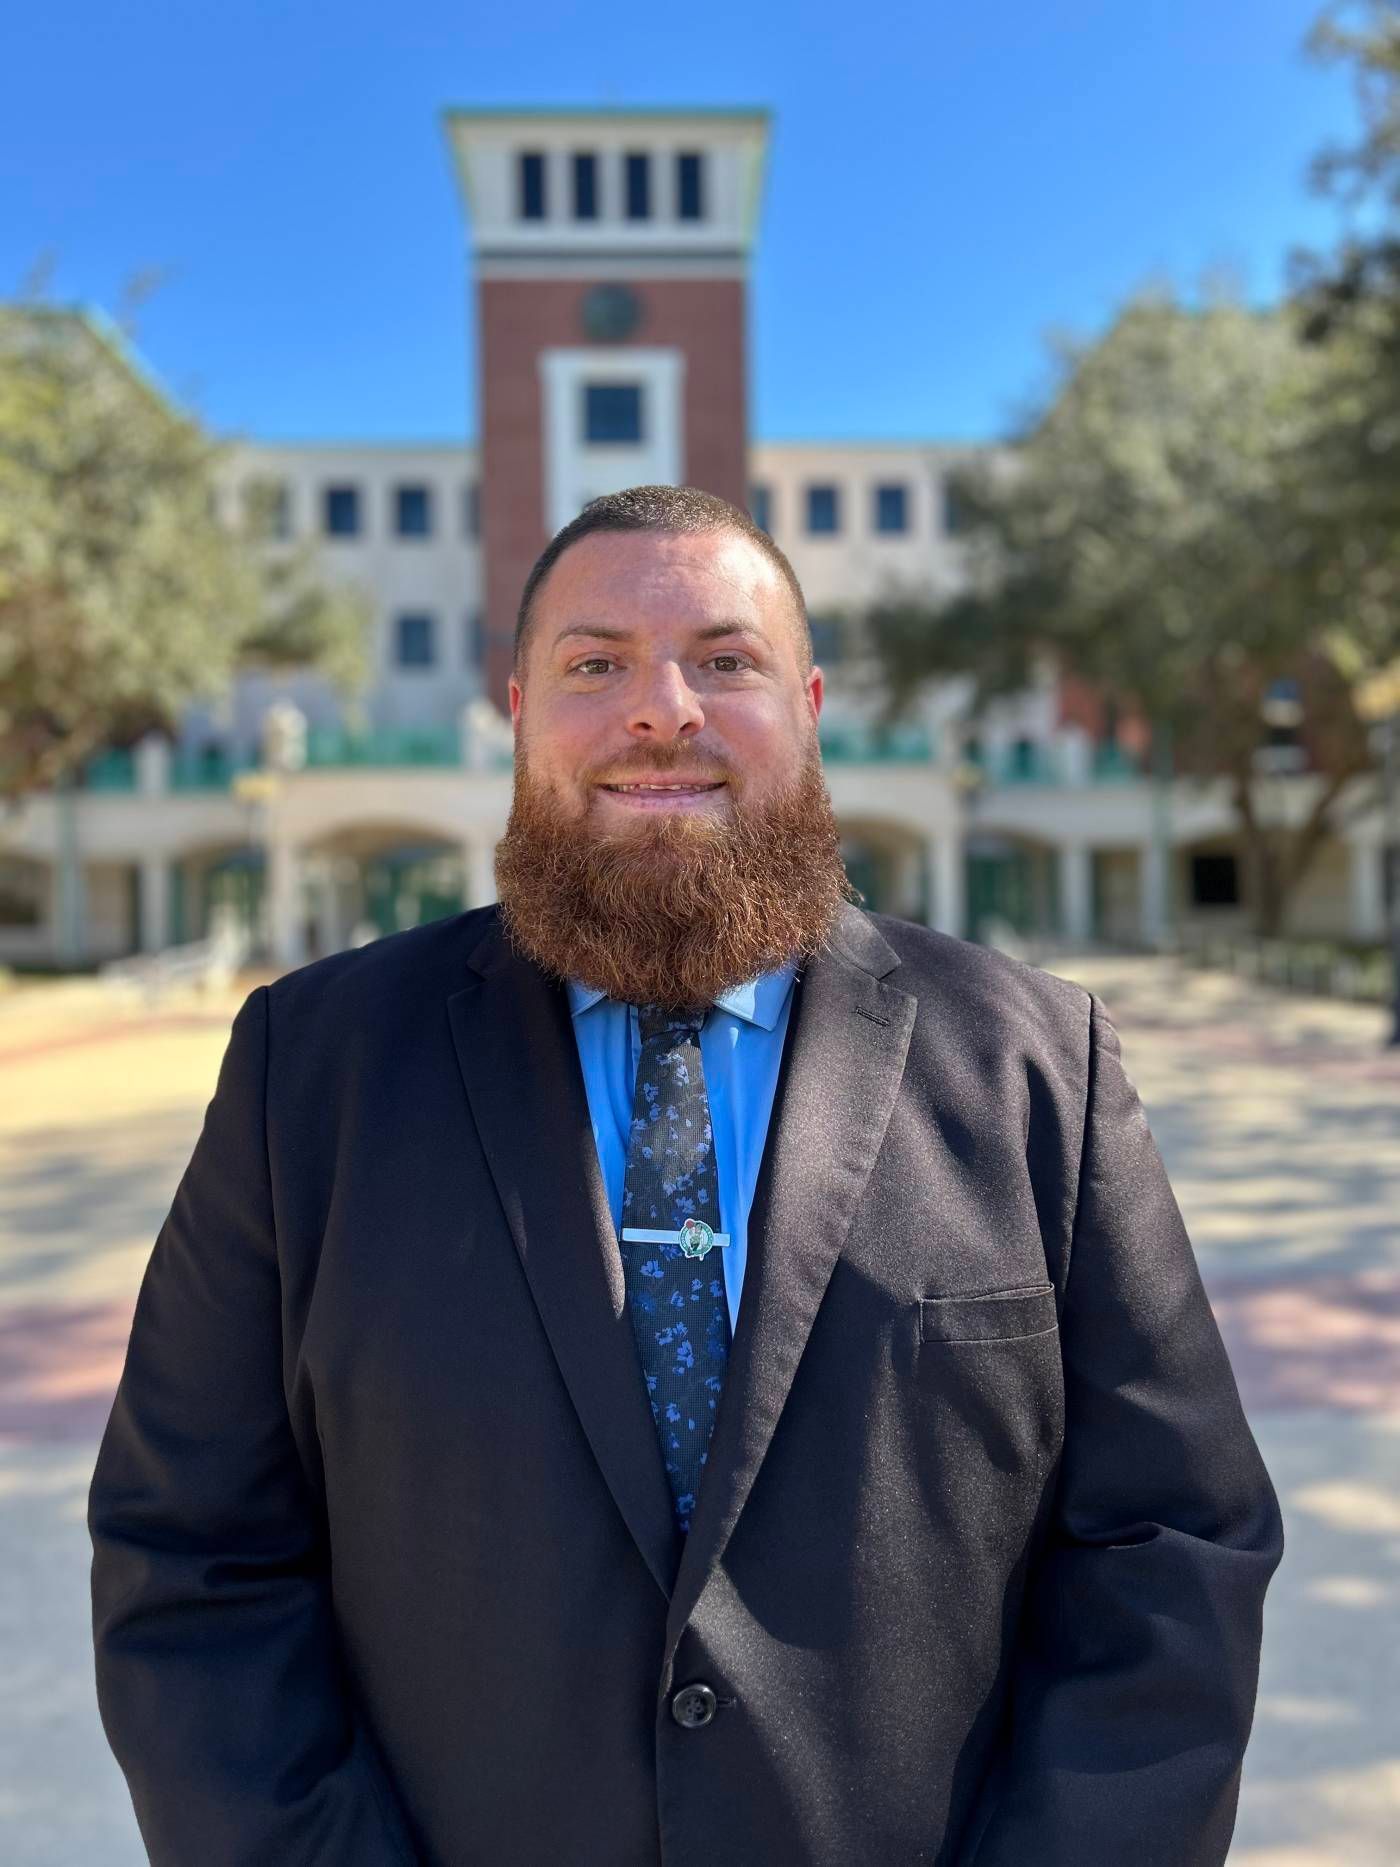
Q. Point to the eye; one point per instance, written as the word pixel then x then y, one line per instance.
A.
pixel 738 663
pixel 593 665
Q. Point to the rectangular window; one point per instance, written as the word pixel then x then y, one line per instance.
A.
pixel 413 512
pixel 957 518
pixel 891 509
pixel 1215 881
pixel 342 511
pixel 612 414
pixel 823 509
pixel 531 198
pixel 585 187
pixel 471 509
pixel 637 178
pixel 471 639
pixel 761 508
pixel 414 646
pixel 690 199
pixel 828 639
pixel 267 508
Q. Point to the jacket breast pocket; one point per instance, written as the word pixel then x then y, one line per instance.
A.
pixel 999 1316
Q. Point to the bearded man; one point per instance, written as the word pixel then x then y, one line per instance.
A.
pixel 676 1369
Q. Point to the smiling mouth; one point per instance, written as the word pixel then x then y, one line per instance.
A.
pixel 664 789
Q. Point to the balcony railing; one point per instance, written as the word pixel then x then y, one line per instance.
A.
pixel 330 749
pixel 872 745
pixel 210 768
pixel 113 770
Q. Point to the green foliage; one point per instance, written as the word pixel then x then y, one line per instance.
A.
pixel 122 596
pixel 1171 530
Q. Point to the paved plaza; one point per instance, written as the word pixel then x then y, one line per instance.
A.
pixel 1280 1122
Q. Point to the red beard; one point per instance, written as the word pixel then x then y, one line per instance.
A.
pixel 677 910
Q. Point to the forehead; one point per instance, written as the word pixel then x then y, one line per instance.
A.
pixel 653 581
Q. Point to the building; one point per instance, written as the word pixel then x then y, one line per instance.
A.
pixel 610 259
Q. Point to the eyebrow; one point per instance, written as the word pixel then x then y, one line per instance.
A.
pixel 712 631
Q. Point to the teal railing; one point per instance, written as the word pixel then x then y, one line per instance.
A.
pixel 328 748
pixel 1112 765
pixel 113 770
pixel 210 768
pixel 867 745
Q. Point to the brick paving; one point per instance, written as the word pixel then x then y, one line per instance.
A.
pixel 1280 1122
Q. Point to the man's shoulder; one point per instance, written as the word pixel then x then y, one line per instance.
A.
pixel 979 984
pixel 432 959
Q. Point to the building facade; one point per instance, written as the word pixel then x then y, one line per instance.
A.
pixel 610 258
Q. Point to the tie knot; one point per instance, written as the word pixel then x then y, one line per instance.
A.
pixel 661 1021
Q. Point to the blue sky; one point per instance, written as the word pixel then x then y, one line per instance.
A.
pixel 946 184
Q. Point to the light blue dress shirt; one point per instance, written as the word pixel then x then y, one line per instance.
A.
pixel 741 1047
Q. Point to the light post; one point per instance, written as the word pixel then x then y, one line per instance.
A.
pixel 1391 857
pixel 1378 700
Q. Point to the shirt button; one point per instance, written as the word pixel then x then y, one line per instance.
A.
pixel 693 1706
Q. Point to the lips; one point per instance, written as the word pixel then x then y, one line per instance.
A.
pixel 685 787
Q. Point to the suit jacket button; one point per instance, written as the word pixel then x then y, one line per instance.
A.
pixel 693 1706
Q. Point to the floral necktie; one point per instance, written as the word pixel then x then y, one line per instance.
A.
pixel 671 1247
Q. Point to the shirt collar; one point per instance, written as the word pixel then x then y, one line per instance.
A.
pixel 757 1001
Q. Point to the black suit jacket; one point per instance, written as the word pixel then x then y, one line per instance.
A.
pixel 385 1569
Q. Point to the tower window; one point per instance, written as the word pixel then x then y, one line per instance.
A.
pixel 612 414
pixel 532 201
pixel 823 509
pixel 414 646
pixel 585 187
pixel 413 511
pixel 637 178
pixel 690 199
pixel 891 509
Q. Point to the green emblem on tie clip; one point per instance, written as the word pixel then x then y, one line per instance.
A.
pixel 696 1238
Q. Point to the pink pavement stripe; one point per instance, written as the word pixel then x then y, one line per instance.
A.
pixel 1324 1342
pixel 59 1367
pixel 1329 1341
pixel 110 1033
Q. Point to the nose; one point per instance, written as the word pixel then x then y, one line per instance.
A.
pixel 664 706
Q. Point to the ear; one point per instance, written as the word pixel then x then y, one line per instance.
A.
pixel 516 697
pixel 816 689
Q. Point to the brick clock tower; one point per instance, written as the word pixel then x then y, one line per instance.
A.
pixel 611 253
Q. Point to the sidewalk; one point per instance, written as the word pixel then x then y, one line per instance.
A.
pixel 1280 1122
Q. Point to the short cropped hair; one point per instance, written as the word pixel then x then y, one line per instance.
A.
pixel 661 509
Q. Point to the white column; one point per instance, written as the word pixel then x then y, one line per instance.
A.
pixel 1153 858
pixel 1075 749
pixel 1366 889
pixel 948 909
pixel 1077 891
pixel 153 765
pixel 479 870
pixel 284 928
pixel 70 883
pixel 154 895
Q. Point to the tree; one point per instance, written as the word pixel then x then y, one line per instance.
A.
pixel 122 595
pixel 1159 532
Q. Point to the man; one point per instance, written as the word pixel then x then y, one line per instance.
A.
pixel 676 1369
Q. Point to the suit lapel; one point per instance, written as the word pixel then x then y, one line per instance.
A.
pixel 519 1062
pixel 844 1063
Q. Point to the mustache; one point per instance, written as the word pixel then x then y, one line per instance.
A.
pixel 658 761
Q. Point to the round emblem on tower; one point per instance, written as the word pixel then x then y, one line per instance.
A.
pixel 610 313
pixel 696 1238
